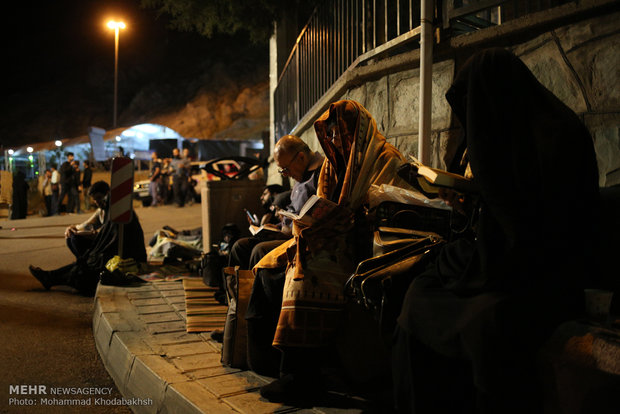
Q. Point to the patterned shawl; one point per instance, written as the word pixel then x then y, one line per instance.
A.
pixel 362 157
pixel 321 256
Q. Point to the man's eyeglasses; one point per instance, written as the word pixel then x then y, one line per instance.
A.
pixel 284 170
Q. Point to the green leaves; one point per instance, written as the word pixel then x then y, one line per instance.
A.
pixel 210 17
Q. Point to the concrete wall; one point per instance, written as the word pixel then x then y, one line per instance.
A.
pixel 578 62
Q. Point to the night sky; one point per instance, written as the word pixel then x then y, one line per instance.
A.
pixel 59 64
pixel 57 39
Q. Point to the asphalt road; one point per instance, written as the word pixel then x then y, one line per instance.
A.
pixel 46 337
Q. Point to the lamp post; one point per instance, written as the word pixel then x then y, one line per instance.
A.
pixel 116 26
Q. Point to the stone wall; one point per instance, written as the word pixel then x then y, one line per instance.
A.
pixel 579 63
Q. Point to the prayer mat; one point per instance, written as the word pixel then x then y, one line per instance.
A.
pixel 204 312
pixel 165 273
pixel 158 277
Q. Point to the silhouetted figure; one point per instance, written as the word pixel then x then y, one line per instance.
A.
pixel 19 208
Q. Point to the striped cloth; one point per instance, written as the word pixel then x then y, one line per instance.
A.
pixel 204 313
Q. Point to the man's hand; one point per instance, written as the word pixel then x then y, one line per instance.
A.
pixel 70 231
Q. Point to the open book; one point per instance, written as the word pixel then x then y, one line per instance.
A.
pixel 313 210
pixel 431 178
pixel 264 228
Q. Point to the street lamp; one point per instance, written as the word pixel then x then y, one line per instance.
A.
pixel 116 26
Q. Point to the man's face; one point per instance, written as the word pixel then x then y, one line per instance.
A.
pixel 154 156
pixel 265 198
pixel 70 158
pixel 291 165
pixel 175 152
pixel 98 199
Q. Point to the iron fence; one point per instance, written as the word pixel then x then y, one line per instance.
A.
pixel 342 34
pixel 339 35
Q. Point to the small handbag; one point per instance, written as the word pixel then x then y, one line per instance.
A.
pixel 379 284
pixel 211 266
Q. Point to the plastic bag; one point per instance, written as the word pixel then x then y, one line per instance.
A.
pixel 385 192
pixel 124 265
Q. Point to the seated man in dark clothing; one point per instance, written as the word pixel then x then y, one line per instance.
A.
pixel 80 237
pixel 83 274
pixel 242 249
pixel 281 202
pixel 472 322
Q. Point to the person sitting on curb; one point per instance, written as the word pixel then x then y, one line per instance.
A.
pixel 302 165
pixel 83 274
pixel 472 325
pixel 302 313
pixel 80 237
pixel 242 249
pixel 296 160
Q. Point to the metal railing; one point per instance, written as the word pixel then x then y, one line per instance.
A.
pixel 343 34
pixel 339 35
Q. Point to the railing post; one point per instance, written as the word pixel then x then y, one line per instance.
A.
pixel 426 65
pixel 297 92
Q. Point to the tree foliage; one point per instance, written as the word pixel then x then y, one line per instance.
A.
pixel 210 17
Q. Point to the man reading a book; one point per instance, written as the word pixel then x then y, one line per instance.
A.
pixel 242 248
pixel 322 255
pixel 79 237
pixel 294 159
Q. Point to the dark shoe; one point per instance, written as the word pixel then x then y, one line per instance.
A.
pixel 218 335
pixel 296 390
pixel 42 276
pixel 220 296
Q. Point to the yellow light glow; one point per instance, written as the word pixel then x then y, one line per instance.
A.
pixel 116 25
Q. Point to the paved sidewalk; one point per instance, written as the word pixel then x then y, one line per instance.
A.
pixel 140 335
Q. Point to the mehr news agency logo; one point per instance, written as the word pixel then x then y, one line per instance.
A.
pixel 32 395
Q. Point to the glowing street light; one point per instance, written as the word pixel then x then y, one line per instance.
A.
pixel 116 26
pixel 58 143
pixel 11 152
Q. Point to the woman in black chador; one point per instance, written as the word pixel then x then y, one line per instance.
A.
pixel 19 209
pixel 83 274
pixel 471 324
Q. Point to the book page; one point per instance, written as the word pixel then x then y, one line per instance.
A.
pixel 313 210
pixel 316 208
pixel 442 178
pixel 265 227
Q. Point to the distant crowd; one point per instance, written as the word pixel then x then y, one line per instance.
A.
pixel 171 180
pixel 67 182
